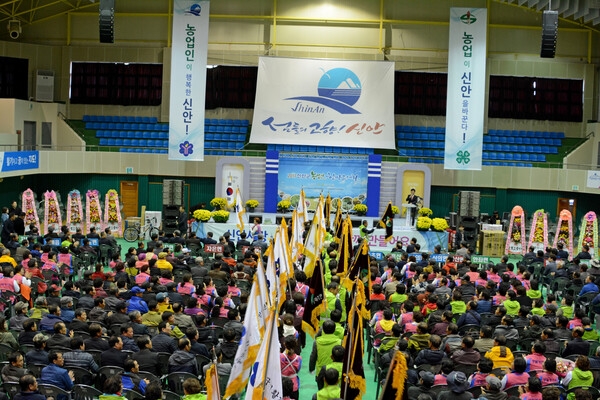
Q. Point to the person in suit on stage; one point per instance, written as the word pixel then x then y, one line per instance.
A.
pixel 412 198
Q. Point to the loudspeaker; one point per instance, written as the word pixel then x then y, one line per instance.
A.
pixel 549 34
pixel 107 21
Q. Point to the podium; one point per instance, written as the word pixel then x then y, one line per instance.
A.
pixel 409 210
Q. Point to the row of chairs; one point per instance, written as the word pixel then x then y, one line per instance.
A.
pixel 134 142
pixel 127 126
pixel 224 145
pixel 319 149
pixel 440 137
pixel 514 148
pixel 222 153
pixel 226 122
pixel 225 129
pixel 132 134
pixel 505 148
pixel 493 132
pixel 144 150
pixel 522 133
pixel 226 137
pixel 119 118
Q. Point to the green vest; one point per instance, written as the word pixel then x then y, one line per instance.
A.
pixel 343 293
pixel 458 307
pixel 538 311
pixel 329 393
pixel 398 298
pixel 534 294
pixel 325 344
pixel 337 366
pixel 512 307
pixel 579 378
pixel 362 234
pixel 567 311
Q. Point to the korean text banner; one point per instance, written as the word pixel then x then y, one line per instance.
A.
pixel 466 89
pixel 343 177
pixel 324 102
pixel 188 80
pixel 19 160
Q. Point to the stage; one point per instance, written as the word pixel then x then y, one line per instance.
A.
pixel 427 239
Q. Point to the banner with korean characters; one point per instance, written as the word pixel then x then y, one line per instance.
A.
pixel 465 103
pixel 19 160
pixel 188 80
pixel 335 103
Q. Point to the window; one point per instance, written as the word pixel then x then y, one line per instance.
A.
pixel 124 84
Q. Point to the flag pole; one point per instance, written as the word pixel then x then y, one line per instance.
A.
pixel 350 338
pixel 217 387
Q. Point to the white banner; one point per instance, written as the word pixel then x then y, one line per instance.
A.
pixel 188 80
pixel 593 179
pixel 324 103
pixel 465 103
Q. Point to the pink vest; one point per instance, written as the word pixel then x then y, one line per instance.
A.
pixel 44 257
pixel 185 288
pixel 514 379
pixel 65 259
pixel 548 378
pixel 234 291
pixel 141 278
pixel 7 284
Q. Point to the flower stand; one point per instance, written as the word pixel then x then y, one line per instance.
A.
pixel 52 216
pixel 30 209
pixel 538 233
pixel 94 210
pixel 74 211
pixel 112 212
pixel 588 234
pixel 515 241
pixel 564 231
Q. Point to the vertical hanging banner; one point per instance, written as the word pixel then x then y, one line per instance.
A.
pixel 325 103
pixel 188 80
pixel 465 103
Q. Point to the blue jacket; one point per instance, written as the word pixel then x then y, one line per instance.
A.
pixel 48 321
pixel 55 375
pixel 137 304
pixel 588 288
pixel 67 315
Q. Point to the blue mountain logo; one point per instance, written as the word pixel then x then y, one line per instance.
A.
pixel 195 9
pixel 338 89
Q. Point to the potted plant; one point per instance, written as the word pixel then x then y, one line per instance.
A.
pixel 251 205
pixel 202 215
pixel 360 209
pixel 220 216
pixel 395 210
pixel 425 212
pixel 439 224
pixel 219 203
pixel 284 205
pixel 423 223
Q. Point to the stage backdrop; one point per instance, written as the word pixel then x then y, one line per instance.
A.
pixel 324 102
pixel 343 177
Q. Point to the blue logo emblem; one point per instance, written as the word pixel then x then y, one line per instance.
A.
pixel 195 9
pixel 338 89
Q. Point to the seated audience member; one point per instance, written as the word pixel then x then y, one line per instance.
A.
pixel 130 378
pixel 518 376
pixel 13 371
pixel 55 374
